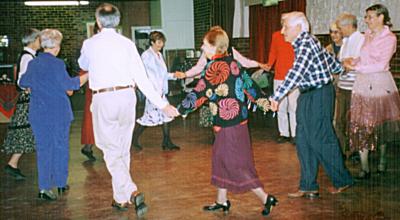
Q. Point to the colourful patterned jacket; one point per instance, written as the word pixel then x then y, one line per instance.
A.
pixel 228 89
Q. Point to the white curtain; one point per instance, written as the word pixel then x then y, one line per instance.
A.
pixel 241 20
pixel 322 12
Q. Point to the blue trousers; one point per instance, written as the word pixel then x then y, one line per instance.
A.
pixel 52 154
pixel 316 140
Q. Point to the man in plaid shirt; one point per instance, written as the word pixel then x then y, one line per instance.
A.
pixel 315 138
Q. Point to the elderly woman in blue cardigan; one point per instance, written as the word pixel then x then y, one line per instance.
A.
pixel 50 113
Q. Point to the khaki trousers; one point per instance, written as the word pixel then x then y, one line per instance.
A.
pixel 113 123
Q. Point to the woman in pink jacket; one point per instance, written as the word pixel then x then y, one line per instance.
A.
pixel 375 101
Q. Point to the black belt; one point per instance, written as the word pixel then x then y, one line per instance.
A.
pixel 309 89
pixel 111 89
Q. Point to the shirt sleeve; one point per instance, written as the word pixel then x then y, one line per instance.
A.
pixel 196 70
pixel 69 83
pixel 382 60
pixel 195 98
pixel 300 66
pixel 243 60
pixel 26 79
pixel 25 59
pixel 332 62
pixel 83 59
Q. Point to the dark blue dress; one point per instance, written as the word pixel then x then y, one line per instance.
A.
pixel 50 115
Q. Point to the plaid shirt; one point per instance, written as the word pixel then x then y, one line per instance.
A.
pixel 312 66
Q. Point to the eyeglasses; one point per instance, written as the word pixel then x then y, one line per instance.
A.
pixel 334 32
pixel 369 17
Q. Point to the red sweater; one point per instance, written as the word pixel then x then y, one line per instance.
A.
pixel 281 54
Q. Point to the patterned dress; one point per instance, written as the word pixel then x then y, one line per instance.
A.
pixel 228 89
pixel 19 137
pixel 158 75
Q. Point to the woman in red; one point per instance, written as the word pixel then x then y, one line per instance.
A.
pixel 87 136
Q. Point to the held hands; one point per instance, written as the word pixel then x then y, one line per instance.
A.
pixel 83 79
pixel 171 111
pixel 179 75
pixel 264 104
pixel 264 66
pixel 348 64
pixel 274 105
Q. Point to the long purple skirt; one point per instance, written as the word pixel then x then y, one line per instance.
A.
pixel 232 160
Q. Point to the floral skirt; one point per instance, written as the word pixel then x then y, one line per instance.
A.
pixel 232 160
pixel 19 137
pixel 374 111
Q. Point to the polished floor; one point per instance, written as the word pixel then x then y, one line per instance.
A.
pixel 177 184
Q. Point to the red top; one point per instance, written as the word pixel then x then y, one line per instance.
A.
pixel 281 54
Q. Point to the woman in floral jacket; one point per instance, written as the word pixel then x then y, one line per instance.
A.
pixel 225 85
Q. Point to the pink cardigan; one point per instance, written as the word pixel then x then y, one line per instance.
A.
pixel 376 52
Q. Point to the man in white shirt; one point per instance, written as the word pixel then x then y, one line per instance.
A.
pixel 351 47
pixel 115 67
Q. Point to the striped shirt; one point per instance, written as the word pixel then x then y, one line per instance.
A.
pixel 350 49
pixel 312 66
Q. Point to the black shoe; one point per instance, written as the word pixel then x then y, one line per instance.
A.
pixel 137 199
pixel 137 147
pixel 15 172
pixel 216 206
pixel 381 169
pixel 88 154
pixel 355 158
pixel 47 195
pixel 271 202
pixel 282 139
pixel 170 146
pixel 363 175
pixel 305 194
pixel 119 206
pixel 140 207
pixel 62 190
pixel 293 140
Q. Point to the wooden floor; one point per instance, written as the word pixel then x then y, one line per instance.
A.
pixel 177 184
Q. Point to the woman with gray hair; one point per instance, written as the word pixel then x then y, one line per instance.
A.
pixel 19 138
pixel 50 113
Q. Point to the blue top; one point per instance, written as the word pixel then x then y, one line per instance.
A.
pixel 49 81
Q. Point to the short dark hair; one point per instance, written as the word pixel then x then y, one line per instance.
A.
pixel 157 35
pixel 30 36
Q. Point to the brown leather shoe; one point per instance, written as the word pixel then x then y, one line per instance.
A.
pixel 305 194
pixel 334 190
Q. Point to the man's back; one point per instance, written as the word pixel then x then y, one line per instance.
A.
pixel 112 59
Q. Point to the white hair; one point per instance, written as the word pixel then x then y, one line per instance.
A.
pixel 346 19
pixel 297 18
pixel 108 15
pixel 50 38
